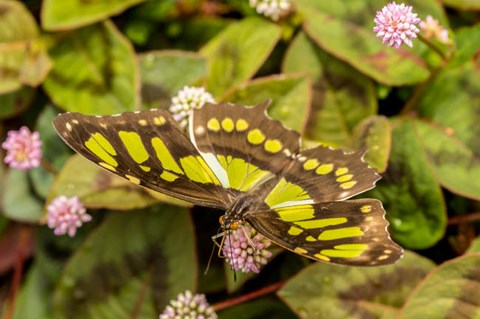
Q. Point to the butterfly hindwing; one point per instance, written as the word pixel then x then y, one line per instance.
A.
pixel 146 148
pixel 352 232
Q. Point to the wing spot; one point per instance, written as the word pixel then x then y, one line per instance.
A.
pixel 228 125
pixel 300 250
pixel 341 171
pixel 68 126
pixel 382 257
pixel 145 168
pixel 159 120
pixel 142 122
pixel 310 238
pixel 322 257
pixel 348 185
pixel 107 166
pixel 344 178
pixel 213 125
pixel 241 125
pixel 74 121
pixel 273 146
pixel 295 231
pixel 368 219
pixel 132 179
pixel 200 130
pixel 287 152
pixel 324 169
pixel 387 251
pixel 366 209
pixel 310 164
pixel 255 137
pixel 167 176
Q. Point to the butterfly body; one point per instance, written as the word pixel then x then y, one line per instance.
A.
pixel 238 159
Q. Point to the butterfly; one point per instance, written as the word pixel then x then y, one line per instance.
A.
pixel 238 159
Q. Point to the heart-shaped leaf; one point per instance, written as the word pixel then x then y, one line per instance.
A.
pixel 238 52
pixel 449 291
pixel 331 291
pixel 99 76
pixel 133 263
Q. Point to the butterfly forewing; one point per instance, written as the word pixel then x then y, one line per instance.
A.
pixel 350 232
pixel 244 143
pixel 146 148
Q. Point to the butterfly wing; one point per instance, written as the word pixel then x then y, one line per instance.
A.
pixel 352 232
pixel 242 143
pixel 146 148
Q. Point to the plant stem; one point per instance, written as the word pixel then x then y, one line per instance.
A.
pixel 25 237
pixel 249 296
pixel 466 218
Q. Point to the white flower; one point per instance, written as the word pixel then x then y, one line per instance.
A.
pixel 186 100
pixel 273 9
pixel 189 306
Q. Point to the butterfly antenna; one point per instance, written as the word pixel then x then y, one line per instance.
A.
pixel 214 239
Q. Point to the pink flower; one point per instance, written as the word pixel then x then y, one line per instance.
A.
pixel 396 24
pixel 23 149
pixel 246 249
pixel 432 29
pixel 65 215
pixel 190 306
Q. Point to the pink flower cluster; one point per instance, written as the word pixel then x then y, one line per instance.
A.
pixel 246 249
pixel 396 24
pixel 23 149
pixel 66 215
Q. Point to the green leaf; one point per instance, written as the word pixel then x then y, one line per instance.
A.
pixel 17 23
pixel 23 58
pixel 375 134
pixel 331 26
pixel 16 102
pixel 330 291
pixel 98 188
pixel 63 15
pixel 34 298
pixel 131 266
pixel 410 193
pixel 290 94
pixel 238 52
pixel 342 96
pixel 455 166
pixel 94 72
pixel 452 142
pixel 463 4
pixel 475 246
pixel 449 291
pixel 54 153
pixel 164 73
pixel 467 44
pixel 18 202
pixel 451 101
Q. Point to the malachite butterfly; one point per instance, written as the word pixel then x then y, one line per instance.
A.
pixel 238 159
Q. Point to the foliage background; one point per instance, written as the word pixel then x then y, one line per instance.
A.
pixel 329 77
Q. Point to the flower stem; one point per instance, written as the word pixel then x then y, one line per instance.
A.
pixel 249 296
